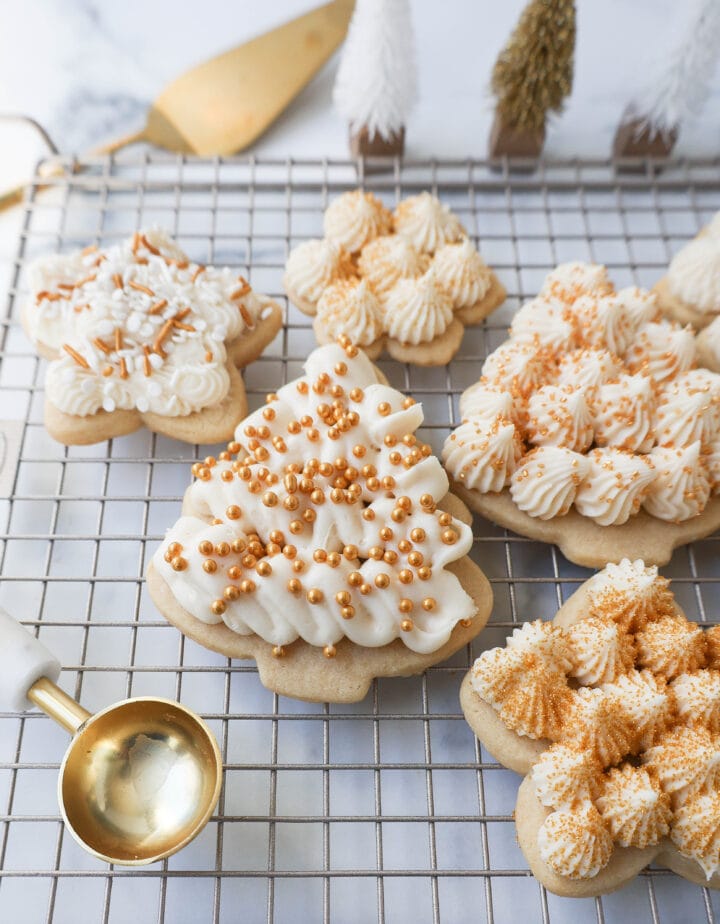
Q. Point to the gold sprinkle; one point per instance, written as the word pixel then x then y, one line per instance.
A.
pixel 158 306
pixel 141 288
pixel 79 359
pixel 329 651
pixel 218 607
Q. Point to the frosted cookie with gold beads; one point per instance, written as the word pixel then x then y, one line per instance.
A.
pixel 138 334
pixel 324 542
pixel 406 282
pixel 612 714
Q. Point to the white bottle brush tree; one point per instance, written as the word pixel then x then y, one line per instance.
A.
pixel 376 83
pixel 651 123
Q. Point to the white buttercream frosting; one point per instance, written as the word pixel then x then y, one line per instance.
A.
pixel 623 413
pixel 515 367
pixel 312 266
pixel 602 650
pixel 645 698
pixel 417 310
pixel 686 760
pixel 486 402
pixel 544 323
pixel 697 696
pixel 633 806
pixel 564 776
pixel 568 281
pixel 615 486
pixel 138 326
pixel 427 223
pixel 350 307
pixel 558 415
pixel 546 480
pixel 575 843
pixel 483 454
pixel 355 218
pixel 631 592
pixel 694 274
pixel 681 488
pixel 661 349
pixel 588 368
pixel 463 273
pixel 388 258
pixel 696 831
pixel 670 646
pixel 599 721
pixel 709 337
pixel 689 409
pixel 370 558
pixel 639 305
pixel 603 323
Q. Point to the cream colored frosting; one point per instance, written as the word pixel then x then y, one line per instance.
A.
pixel 697 696
pixel 633 806
pixel 694 274
pixel 350 307
pixel 564 776
pixel 388 258
pixel 645 698
pixel 603 650
pixel 631 593
pixel 146 326
pixel 681 488
pixel 546 480
pixel 661 349
pixel 696 831
pixel 623 413
pixel 639 305
pixel 568 281
pixel 544 322
pixel 709 337
pixel 232 501
pixel 603 323
pixel 686 761
pixel 599 721
pixel 575 843
pixel 689 409
pixel 558 415
pixel 355 218
pixel 515 367
pixel 588 368
pixel 614 487
pixel 670 646
pixel 417 310
pixel 427 223
pixel 544 639
pixel 495 673
pixel 483 454
pixel 312 266
pixel 463 273
pixel 711 460
pixel 486 402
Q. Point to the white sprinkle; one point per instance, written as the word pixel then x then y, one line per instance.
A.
pixel 266 312
pixel 68 375
pixel 142 403
pixel 218 333
pixel 134 323
pixel 108 404
pixel 105 327
pixel 118 295
pixel 155 360
pixel 154 389
pixel 147 330
pixel 200 324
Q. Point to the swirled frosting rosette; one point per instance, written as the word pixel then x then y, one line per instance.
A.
pixel 418 264
pixel 615 433
pixel 690 289
pixel 612 713
pixel 323 542
pixel 140 334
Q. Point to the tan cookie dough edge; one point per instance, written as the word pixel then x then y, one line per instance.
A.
pixel 302 304
pixel 304 673
pixel 212 424
pixel 676 309
pixel 493 298
pixel 706 355
pixel 584 542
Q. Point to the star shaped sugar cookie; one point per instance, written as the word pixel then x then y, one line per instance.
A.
pixel 138 334
pixel 612 714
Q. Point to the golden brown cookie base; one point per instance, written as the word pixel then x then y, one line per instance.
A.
pixel 302 304
pixel 437 352
pixel 303 673
pixel 213 424
pixel 519 753
pixel 675 309
pixel 706 355
pixel 493 298
pixel 584 542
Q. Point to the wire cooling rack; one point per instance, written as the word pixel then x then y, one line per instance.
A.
pixel 387 810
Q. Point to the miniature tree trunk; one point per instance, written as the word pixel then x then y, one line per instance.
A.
pixel 532 76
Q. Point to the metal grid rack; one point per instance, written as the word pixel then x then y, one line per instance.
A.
pixel 386 810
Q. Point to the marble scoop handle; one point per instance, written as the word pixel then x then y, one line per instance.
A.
pixel 23 660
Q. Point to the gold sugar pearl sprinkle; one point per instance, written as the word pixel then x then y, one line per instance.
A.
pixel 347 612
pixel 278 651
pixel 355 579
pixel 405 576
pixel 425 573
pixel 216 521
pixel 386 534
pixel 405 605
pixel 179 563
pixel 417 534
pixel 408 402
pixel 206 547
pixel 390 439
pixel 270 498
pixel 395 458
pixel 289 551
pixel 383 409
pixel 227 475
pixel 407 625
pixel 404 546
pixel 315 595
pixel 294 586
pixel 390 556
pixel 376 552
pixel 233 512
pixel 449 536
pixel 329 651
pixel 426 500
pixel 231 592
pixel 296 527
pixel 174 549
pixel 209 566
pixel 359 451
pixel 222 549
pixel 357 395
pixel 444 519
pixel 368 514
pixel 320 555
pixel 388 482
pixel 218 607
pixel 238 546
pixel 397 515
pixel 210 461
pixel 247 586
pixel 298 565
pixel 365 589
pixel 263 568
pixel 343 597
pixel 466 623
pixel 351 552
pixel 405 503
pixel 428 603
pixel 249 560
pixel 382 580
pixel 234 448
pixel 415 559
pixel 277 536
pixel 233 572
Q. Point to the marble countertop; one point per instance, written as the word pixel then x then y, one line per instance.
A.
pixel 87 69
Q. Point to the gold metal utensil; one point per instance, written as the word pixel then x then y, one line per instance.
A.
pixel 223 105
pixel 140 779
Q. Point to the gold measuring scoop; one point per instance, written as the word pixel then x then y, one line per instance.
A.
pixel 140 779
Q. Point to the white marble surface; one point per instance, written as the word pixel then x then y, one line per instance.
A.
pixel 87 69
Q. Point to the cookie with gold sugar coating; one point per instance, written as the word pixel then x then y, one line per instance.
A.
pixel 323 542
pixel 138 334
pixel 619 763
